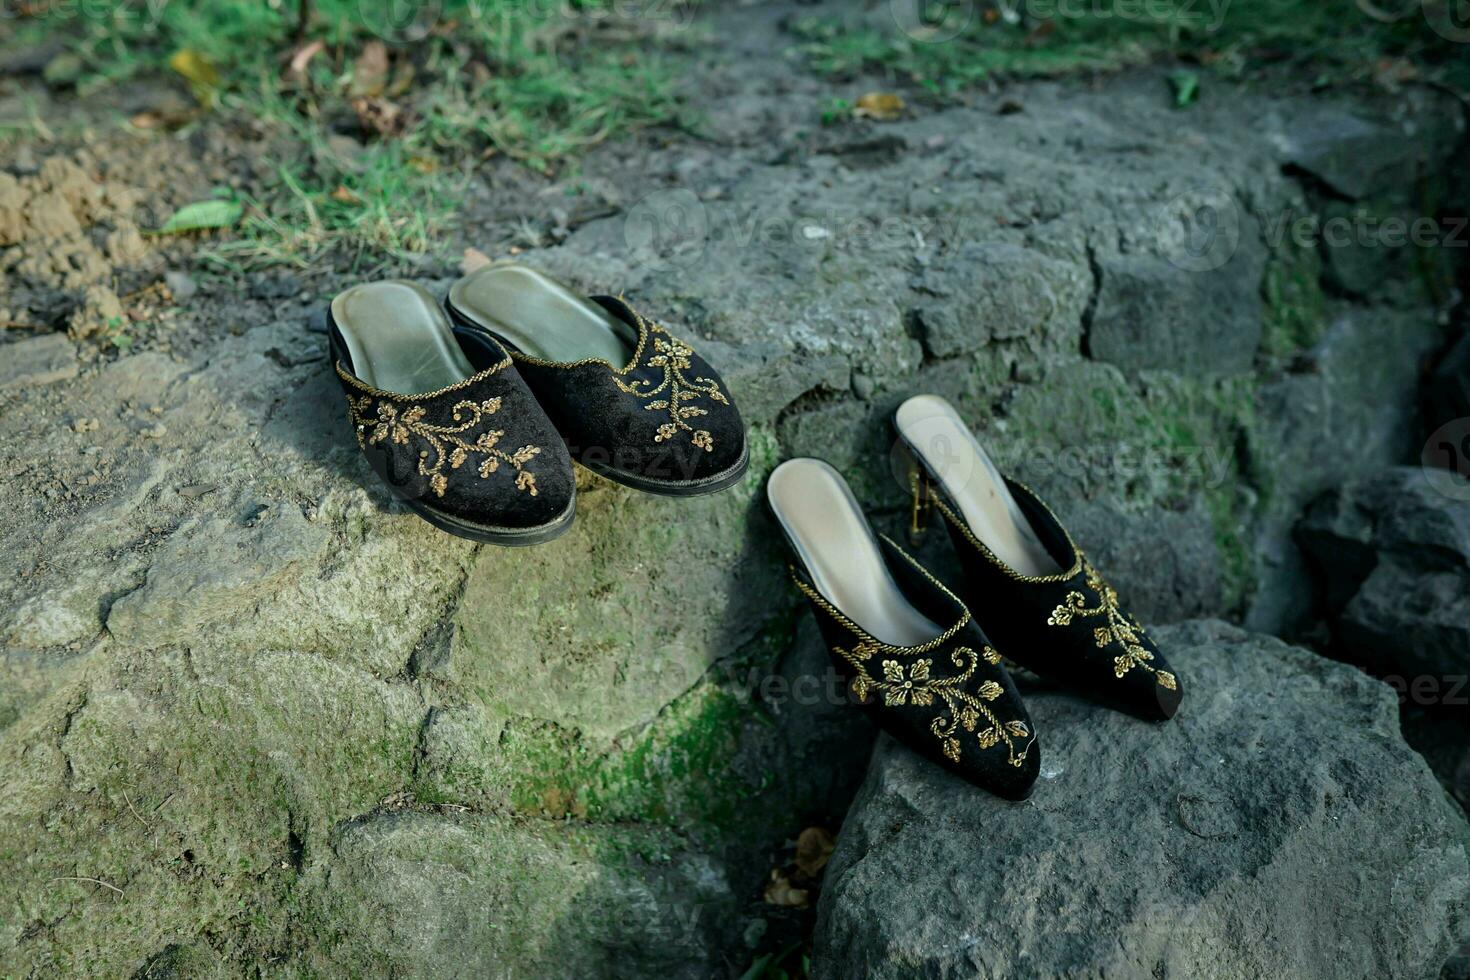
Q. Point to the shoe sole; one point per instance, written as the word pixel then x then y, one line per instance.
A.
pixel 675 488
pixel 507 537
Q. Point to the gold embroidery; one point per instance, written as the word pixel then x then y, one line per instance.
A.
pixel 915 685
pixel 673 356
pixel 378 420
pixel 1119 629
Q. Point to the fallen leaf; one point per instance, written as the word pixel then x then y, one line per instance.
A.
pixel 1391 73
pixel 161 118
pixel 402 80
pixel 370 70
pixel 424 165
pixel 344 195
pixel 1186 87
pixel 387 119
pixel 297 66
pixel 780 891
pixel 203 215
pixel 879 106
pixel 202 76
pixel 473 259
pixel 63 70
pixel 813 848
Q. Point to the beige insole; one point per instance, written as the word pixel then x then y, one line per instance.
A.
pixel 829 532
pixel 399 338
pixel 542 317
pixel 935 431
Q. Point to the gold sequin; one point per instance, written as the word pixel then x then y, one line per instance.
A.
pixel 378 420
pixel 1119 629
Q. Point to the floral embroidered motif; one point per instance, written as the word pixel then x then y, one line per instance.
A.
pixel 377 421
pixel 915 685
pixel 673 357
pixel 1119 629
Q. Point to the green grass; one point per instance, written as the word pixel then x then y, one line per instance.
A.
pixel 537 82
pixel 1335 41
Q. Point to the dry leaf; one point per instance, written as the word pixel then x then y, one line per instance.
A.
pixel 202 76
pixel 424 165
pixel 297 66
pixel 473 259
pixel 370 70
pixel 879 106
pixel 779 891
pixel 161 118
pixel 813 848
pixel 402 80
pixel 344 195
pixel 387 119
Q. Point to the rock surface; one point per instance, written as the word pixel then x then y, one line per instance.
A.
pixel 239 683
pixel 1279 826
pixel 37 361
pixel 1393 554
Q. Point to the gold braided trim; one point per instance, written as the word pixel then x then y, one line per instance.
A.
pixel 964 529
pixel 352 380
pixel 866 638
pixel 625 369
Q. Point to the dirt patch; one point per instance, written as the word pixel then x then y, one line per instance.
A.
pixel 72 232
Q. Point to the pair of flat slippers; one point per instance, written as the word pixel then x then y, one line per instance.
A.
pixel 930 662
pixel 473 412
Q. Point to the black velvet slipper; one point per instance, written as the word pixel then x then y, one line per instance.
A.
pixel 445 421
pixel 1039 596
pixel 905 645
pixel 634 403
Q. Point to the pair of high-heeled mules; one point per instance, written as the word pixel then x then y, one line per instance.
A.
pixel 929 661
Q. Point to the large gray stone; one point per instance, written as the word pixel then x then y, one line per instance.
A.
pixel 1359 151
pixel 1392 552
pixel 1278 826
pixel 1151 313
pixel 37 361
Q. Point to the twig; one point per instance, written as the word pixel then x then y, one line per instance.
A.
pixel 303 21
pixel 93 881
pixel 146 824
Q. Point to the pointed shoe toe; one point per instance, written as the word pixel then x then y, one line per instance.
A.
pixel 905 646
pixel 1035 591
